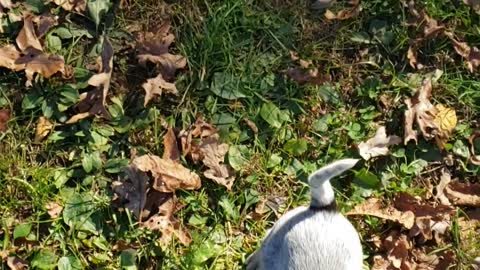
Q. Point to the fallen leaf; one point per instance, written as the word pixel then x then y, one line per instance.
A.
pixel 346 13
pixel 425 229
pixel 78 6
pixel 373 207
pixel 446 121
pixel 16 263
pixel 445 179
pixel 433 261
pixel 397 247
pixel 470 54
pixel 200 129
pixel 251 125
pixel 35 61
pixel 422 111
pixel 306 73
pixel 44 126
pixel 156 87
pixel 4 117
pixel 5 4
pixel 428 26
pixel 8 55
pixel 132 191
pixel 412 56
pixel 474 158
pixel 170 146
pixel 153 47
pixel 474 4
pixel 44 23
pixel 27 37
pixel 463 194
pixel 213 153
pixel 378 145
pixel 54 209
pixel 93 102
pixel 167 224
pixel 168 175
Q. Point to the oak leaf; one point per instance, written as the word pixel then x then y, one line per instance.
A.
pixel 156 87
pixel 35 61
pixel 470 54
pixel 27 38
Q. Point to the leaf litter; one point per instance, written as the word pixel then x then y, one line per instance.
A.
pixel 154 47
pixel 378 145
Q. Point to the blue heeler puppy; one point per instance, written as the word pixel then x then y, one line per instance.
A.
pixel 317 237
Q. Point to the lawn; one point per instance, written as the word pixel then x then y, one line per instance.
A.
pixel 172 135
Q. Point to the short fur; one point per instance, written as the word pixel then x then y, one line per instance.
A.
pixel 312 238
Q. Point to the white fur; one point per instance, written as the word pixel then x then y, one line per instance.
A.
pixel 307 239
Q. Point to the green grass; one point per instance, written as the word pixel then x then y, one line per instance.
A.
pixel 237 52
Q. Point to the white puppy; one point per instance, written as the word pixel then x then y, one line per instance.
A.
pixel 317 237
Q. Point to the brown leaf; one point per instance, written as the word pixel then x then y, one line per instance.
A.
pixel 474 158
pixel 93 102
pixel 44 23
pixel 132 191
pixel 470 54
pixel 213 153
pixel 445 179
pixel 436 261
pixel 346 13
pixel 397 247
pixel 78 6
pixel 156 86
pixel 378 145
pixel 54 209
pixel 412 56
pixel 406 202
pixel 27 37
pixel 306 73
pixel 35 61
pixel 474 4
pixel 8 55
pixel 153 47
pixel 200 129
pixel 464 194
pixel 5 4
pixel 44 126
pixel 428 26
pixel 16 263
pixel 373 207
pixel 425 229
pixel 4 117
pixel 420 109
pixel 251 125
pixel 168 175
pixel 170 146
pixel 167 224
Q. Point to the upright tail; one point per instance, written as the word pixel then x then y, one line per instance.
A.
pixel 320 187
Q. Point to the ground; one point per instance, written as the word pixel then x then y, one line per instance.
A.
pixel 275 89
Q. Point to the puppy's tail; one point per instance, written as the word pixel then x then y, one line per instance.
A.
pixel 320 187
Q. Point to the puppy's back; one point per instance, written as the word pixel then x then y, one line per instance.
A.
pixel 307 239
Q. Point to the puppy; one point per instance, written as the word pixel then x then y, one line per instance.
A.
pixel 317 237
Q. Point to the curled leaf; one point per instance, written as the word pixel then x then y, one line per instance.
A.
pixel 474 158
pixel 44 126
pixel 464 194
pixel 373 207
pixel 378 145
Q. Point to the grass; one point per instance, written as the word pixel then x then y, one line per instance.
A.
pixel 237 52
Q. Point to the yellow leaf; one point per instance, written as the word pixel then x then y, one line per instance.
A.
pixel 43 128
pixel 446 121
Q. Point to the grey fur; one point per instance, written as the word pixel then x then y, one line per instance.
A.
pixel 306 238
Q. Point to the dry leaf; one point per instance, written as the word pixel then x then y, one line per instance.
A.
pixel 474 158
pixel 93 102
pixel 153 47
pixel 44 126
pixel 4 117
pixel 474 4
pixel 16 263
pixel 436 261
pixel 251 125
pixel 425 229
pixel 156 86
pixel 168 175
pixel 445 179
pixel 170 150
pixel 373 207
pixel 213 153
pixel 167 224
pixel 470 54
pixel 464 194
pixel 54 209
pixel 420 109
pixel 412 56
pixel 27 37
pixel 5 4
pixel 44 23
pixel 346 13
pixel 446 121
pixel 78 6
pixel 378 145
pixel 397 247
pixel 34 61
pixel 132 191
pixel 306 73
pixel 8 55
